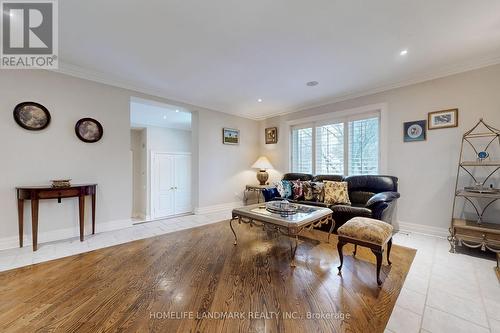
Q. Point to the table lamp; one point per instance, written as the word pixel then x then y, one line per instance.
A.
pixel 262 164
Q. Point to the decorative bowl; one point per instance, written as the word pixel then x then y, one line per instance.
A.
pixel 283 208
pixel 61 182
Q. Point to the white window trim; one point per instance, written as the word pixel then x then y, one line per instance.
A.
pixel 344 115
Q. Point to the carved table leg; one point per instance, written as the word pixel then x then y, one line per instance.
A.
pixel 378 255
pixel 234 233
pixel 331 229
pixel 93 213
pixel 20 213
pixel 293 249
pixel 34 223
pixel 389 246
pixel 452 240
pixel 81 206
pixel 340 245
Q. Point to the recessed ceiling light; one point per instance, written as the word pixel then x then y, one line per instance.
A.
pixel 403 52
pixel 176 110
pixel 164 117
pixel 259 100
pixel 312 83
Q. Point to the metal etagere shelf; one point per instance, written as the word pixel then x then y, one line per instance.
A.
pixel 477 233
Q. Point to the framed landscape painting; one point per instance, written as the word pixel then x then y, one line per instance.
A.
pixel 230 136
pixel 443 119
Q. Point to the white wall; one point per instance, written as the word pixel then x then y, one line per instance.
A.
pixel 426 170
pixel 168 140
pixel 225 169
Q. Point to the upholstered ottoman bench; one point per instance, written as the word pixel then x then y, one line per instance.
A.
pixel 370 233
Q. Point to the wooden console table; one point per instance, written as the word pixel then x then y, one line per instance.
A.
pixel 36 193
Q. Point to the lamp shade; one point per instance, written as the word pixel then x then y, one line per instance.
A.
pixel 262 163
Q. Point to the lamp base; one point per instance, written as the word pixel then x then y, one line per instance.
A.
pixel 262 177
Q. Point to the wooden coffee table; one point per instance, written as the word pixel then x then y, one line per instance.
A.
pixel 307 217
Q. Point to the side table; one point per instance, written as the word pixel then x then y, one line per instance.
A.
pixel 252 189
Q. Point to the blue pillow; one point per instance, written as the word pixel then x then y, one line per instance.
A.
pixel 287 189
pixel 270 193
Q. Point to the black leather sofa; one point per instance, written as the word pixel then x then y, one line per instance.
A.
pixel 371 196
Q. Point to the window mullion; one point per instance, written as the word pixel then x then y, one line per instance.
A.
pixel 346 148
pixel 313 150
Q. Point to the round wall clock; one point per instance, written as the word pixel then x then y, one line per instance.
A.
pixel 32 116
pixel 89 130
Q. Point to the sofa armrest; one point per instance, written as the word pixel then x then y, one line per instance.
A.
pixel 382 205
pixel 382 197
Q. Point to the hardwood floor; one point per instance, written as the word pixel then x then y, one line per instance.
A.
pixel 172 283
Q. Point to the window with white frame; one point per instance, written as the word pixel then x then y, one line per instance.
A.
pixel 340 146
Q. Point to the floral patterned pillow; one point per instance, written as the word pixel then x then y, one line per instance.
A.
pixel 307 188
pixel 313 191
pixel 336 193
pixel 318 189
pixel 298 189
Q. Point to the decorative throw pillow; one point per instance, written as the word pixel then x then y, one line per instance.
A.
pixel 307 188
pixel 270 193
pixel 318 189
pixel 287 189
pixel 336 193
pixel 298 190
pixel 279 187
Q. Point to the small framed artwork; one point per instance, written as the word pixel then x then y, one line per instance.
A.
pixel 271 135
pixel 89 130
pixel 230 136
pixel 415 131
pixel 32 116
pixel 443 119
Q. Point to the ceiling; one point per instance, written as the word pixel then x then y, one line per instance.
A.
pixel 226 54
pixel 147 113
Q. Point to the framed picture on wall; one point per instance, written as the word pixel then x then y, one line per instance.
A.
pixel 230 136
pixel 89 130
pixel 32 116
pixel 414 131
pixel 271 135
pixel 443 119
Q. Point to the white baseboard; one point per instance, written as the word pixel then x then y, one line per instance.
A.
pixel 60 234
pixel 217 208
pixel 423 229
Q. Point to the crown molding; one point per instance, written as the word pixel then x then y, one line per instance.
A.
pixel 108 79
pixel 428 76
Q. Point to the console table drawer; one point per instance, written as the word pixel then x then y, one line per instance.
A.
pixel 59 193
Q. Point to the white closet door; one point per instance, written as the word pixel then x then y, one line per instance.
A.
pixel 164 185
pixel 182 184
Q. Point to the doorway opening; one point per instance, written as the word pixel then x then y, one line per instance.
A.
pixel 161 150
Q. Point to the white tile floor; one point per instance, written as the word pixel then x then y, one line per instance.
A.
pixel 443 292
